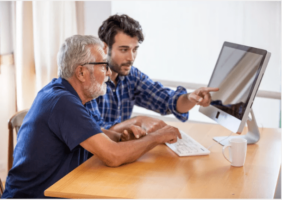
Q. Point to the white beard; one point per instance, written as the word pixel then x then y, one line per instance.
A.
pixel 96 89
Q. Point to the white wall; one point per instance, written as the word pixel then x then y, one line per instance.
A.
pixel 95 12
pixel 183 40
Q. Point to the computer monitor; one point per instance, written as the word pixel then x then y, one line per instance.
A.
pixel 238 72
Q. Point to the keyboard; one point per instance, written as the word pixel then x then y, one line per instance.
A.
pixel 187 146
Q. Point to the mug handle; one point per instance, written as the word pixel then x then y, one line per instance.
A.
pixel 223 151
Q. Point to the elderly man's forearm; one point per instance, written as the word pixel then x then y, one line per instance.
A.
pixel 114 154
pixel 130 151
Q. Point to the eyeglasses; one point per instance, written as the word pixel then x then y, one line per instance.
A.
pixel 98 63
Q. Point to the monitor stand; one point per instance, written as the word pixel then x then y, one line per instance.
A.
pixel 252 135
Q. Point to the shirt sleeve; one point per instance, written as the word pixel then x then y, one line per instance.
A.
pixel 71 122
pixel 154 96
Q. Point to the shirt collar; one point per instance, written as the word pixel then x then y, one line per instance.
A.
pixel 119 78
pixel 67 86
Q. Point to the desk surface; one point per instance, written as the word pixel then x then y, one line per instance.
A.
pixel 160 173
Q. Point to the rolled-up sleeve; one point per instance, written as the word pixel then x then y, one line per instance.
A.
pixel 154 96
pixel 173 101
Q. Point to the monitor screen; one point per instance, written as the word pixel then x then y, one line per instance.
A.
pixel 238 72
pixel 235 75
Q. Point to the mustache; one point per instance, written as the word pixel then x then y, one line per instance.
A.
pixel 126 64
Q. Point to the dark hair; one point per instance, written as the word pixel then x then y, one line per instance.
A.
pixel 119 23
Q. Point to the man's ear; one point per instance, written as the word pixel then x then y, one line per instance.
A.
pixel 80 73
pixel 105 48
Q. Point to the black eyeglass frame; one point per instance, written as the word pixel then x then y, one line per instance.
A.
pixel 98 63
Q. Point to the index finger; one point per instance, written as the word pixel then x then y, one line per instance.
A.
pixel 179 134
pixel 211 89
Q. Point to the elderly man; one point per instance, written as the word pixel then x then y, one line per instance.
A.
pixel 58 129
pixel 128 86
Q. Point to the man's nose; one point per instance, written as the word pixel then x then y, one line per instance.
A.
pixel 131 56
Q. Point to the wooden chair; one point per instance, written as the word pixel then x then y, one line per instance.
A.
pixel 15 122
pixel 1 188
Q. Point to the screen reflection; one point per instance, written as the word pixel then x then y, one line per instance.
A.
pixel 235 75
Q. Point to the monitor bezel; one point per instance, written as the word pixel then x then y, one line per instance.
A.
pixel 229 121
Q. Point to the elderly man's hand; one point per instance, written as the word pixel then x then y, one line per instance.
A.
pixel 167 134
pixel 134 132
pixel 150 124
pixel 144 126
pixel 202 96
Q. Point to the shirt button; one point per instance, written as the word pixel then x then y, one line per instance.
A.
pixel 118 107
pixel 114 90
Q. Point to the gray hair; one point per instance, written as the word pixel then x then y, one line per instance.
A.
pixel 75 51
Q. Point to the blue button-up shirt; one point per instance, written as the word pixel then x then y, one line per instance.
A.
pixel 134 89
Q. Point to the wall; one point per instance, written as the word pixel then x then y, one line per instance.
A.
pixel 189 35
pixel 95 13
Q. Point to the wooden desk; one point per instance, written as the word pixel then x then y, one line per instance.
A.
pixel 160 173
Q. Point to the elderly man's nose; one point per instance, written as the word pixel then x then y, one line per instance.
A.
pixel 109 72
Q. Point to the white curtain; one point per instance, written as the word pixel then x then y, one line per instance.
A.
pixel 24 56
pixel 40 29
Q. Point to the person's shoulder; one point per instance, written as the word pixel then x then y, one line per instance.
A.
pixel 67 100
pixel 59 88
pixel 53 86
pixel 59 94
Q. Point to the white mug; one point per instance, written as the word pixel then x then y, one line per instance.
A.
pixel 237 151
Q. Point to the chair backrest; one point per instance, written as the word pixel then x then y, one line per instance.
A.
pixel 1 188
pixel 15 122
